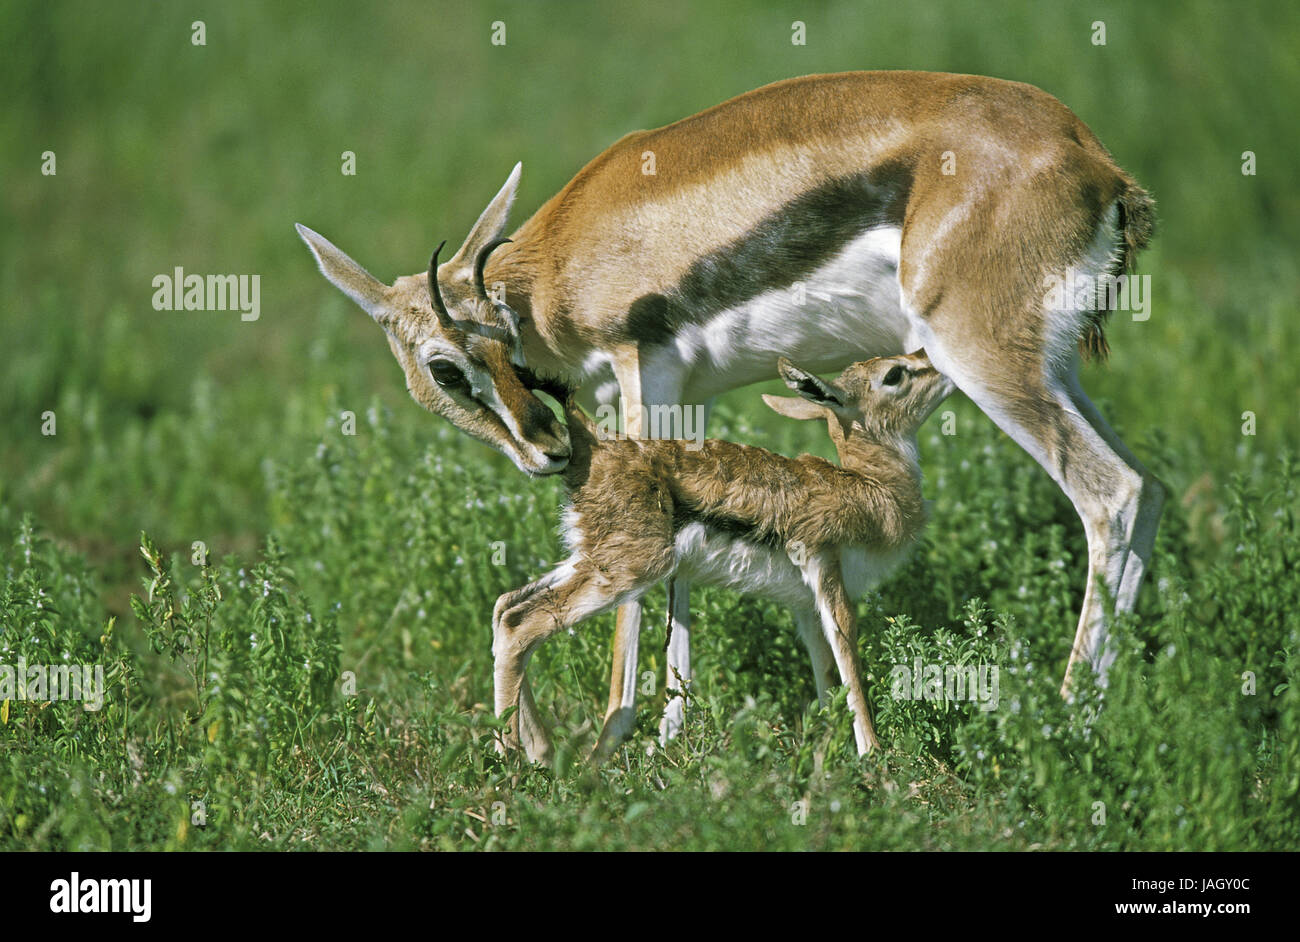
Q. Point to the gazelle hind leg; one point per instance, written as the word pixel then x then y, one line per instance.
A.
pixel 1128 532
pixel 994 319
pixel 840 627
pixel 808 624
pixel 1042 408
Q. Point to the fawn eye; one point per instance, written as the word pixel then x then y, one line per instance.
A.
pixel 893 377
pixel 448 375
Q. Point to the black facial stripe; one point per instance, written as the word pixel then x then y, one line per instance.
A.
pixel 550 385
pixel 786 245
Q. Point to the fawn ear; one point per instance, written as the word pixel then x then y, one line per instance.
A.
pixel 810 387
pixel 346 275
pixel 792 407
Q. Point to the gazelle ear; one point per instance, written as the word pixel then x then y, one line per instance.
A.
pixel 490 225
pixel 345 274
pixel 810 387
pixel 792 407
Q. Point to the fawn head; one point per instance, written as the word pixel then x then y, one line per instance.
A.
pixel 886 398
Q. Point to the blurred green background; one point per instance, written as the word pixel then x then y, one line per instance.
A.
pixel 171 155
pixel 199 426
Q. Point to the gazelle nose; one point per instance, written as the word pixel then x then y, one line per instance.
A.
pixel 558 454
pixel 539 420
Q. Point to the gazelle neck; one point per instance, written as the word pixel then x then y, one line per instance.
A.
pixel 511 266
pixel 519 267
pixel 514 267
pixel 860 450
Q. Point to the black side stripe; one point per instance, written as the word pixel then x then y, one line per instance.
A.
pixel 786 245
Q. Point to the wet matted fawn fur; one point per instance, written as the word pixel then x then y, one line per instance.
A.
pixel 799 531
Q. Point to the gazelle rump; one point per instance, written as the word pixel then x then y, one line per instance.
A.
pixel 799 531
pixel 829 218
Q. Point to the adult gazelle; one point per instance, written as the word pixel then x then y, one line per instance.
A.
pixel 829 219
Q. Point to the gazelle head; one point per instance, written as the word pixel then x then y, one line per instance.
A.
pixel 887 398
pixel 459 347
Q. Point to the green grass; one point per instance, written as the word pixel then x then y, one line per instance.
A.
pixel 373 554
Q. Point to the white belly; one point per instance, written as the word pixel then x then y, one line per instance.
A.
pixel 711 557
pixel 848 309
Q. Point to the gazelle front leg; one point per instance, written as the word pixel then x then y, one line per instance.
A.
pixel 621 710
pixel 679 660
pixel 533 731
pixel 530 726
pixel 522 620
pixel 644 385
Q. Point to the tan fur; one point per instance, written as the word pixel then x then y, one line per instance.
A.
pixel 1032 174
pixel 630 499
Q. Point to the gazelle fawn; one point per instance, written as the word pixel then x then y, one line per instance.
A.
pixel 799 531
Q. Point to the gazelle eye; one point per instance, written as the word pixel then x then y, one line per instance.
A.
pixel 447 375
pixel 893 377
